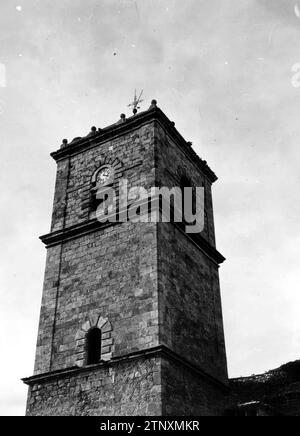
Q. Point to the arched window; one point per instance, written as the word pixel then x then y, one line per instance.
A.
pixel 187 201
pixel 93 346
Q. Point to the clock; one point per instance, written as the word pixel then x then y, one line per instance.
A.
pixel 104 176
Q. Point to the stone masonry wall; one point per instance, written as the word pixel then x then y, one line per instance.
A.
pixel 148 284
pixel 101 276
pixel 128 388
pixel 189 294
pixel 188 394
pixel 134 154
pixel 111 272
pixel 189 303
pixel 172 163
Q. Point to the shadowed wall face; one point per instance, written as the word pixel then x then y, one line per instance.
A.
pixel 189 296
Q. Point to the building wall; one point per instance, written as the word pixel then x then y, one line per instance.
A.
pixel 110 272
pixel 174 161
pixel 186 393
pixel 131 154
pixel 128 388
pixel 147 284
pixel 189 303
pixel 189 292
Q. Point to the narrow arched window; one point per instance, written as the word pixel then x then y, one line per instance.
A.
pixel 93 346
pixel 187 202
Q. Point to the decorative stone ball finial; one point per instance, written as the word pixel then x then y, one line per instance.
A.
pixel 64 143
pixel 123 117
pixel 153 104
pixel 94 129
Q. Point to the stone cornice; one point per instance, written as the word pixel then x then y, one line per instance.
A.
pixel 55 238
pixel 203 245
pixel 115 130
pixel 72 232
pixel 160 351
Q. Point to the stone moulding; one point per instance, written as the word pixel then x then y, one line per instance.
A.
pixel 54 238
pixel 159 351
pixel 115 130
pixel 76 231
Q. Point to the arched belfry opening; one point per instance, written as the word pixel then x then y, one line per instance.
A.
pixel 93 346
pixel 187 201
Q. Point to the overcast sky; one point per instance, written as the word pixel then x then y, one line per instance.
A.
pixel 221 69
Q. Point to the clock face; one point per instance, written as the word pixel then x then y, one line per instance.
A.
pixel 104 176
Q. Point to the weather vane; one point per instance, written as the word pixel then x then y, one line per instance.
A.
pixel 136 102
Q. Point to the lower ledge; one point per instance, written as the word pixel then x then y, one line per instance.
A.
pixel 159 351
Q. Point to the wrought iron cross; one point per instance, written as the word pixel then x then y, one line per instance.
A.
pixel 136 102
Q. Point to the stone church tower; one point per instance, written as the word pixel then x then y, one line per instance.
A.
pixel 131 318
